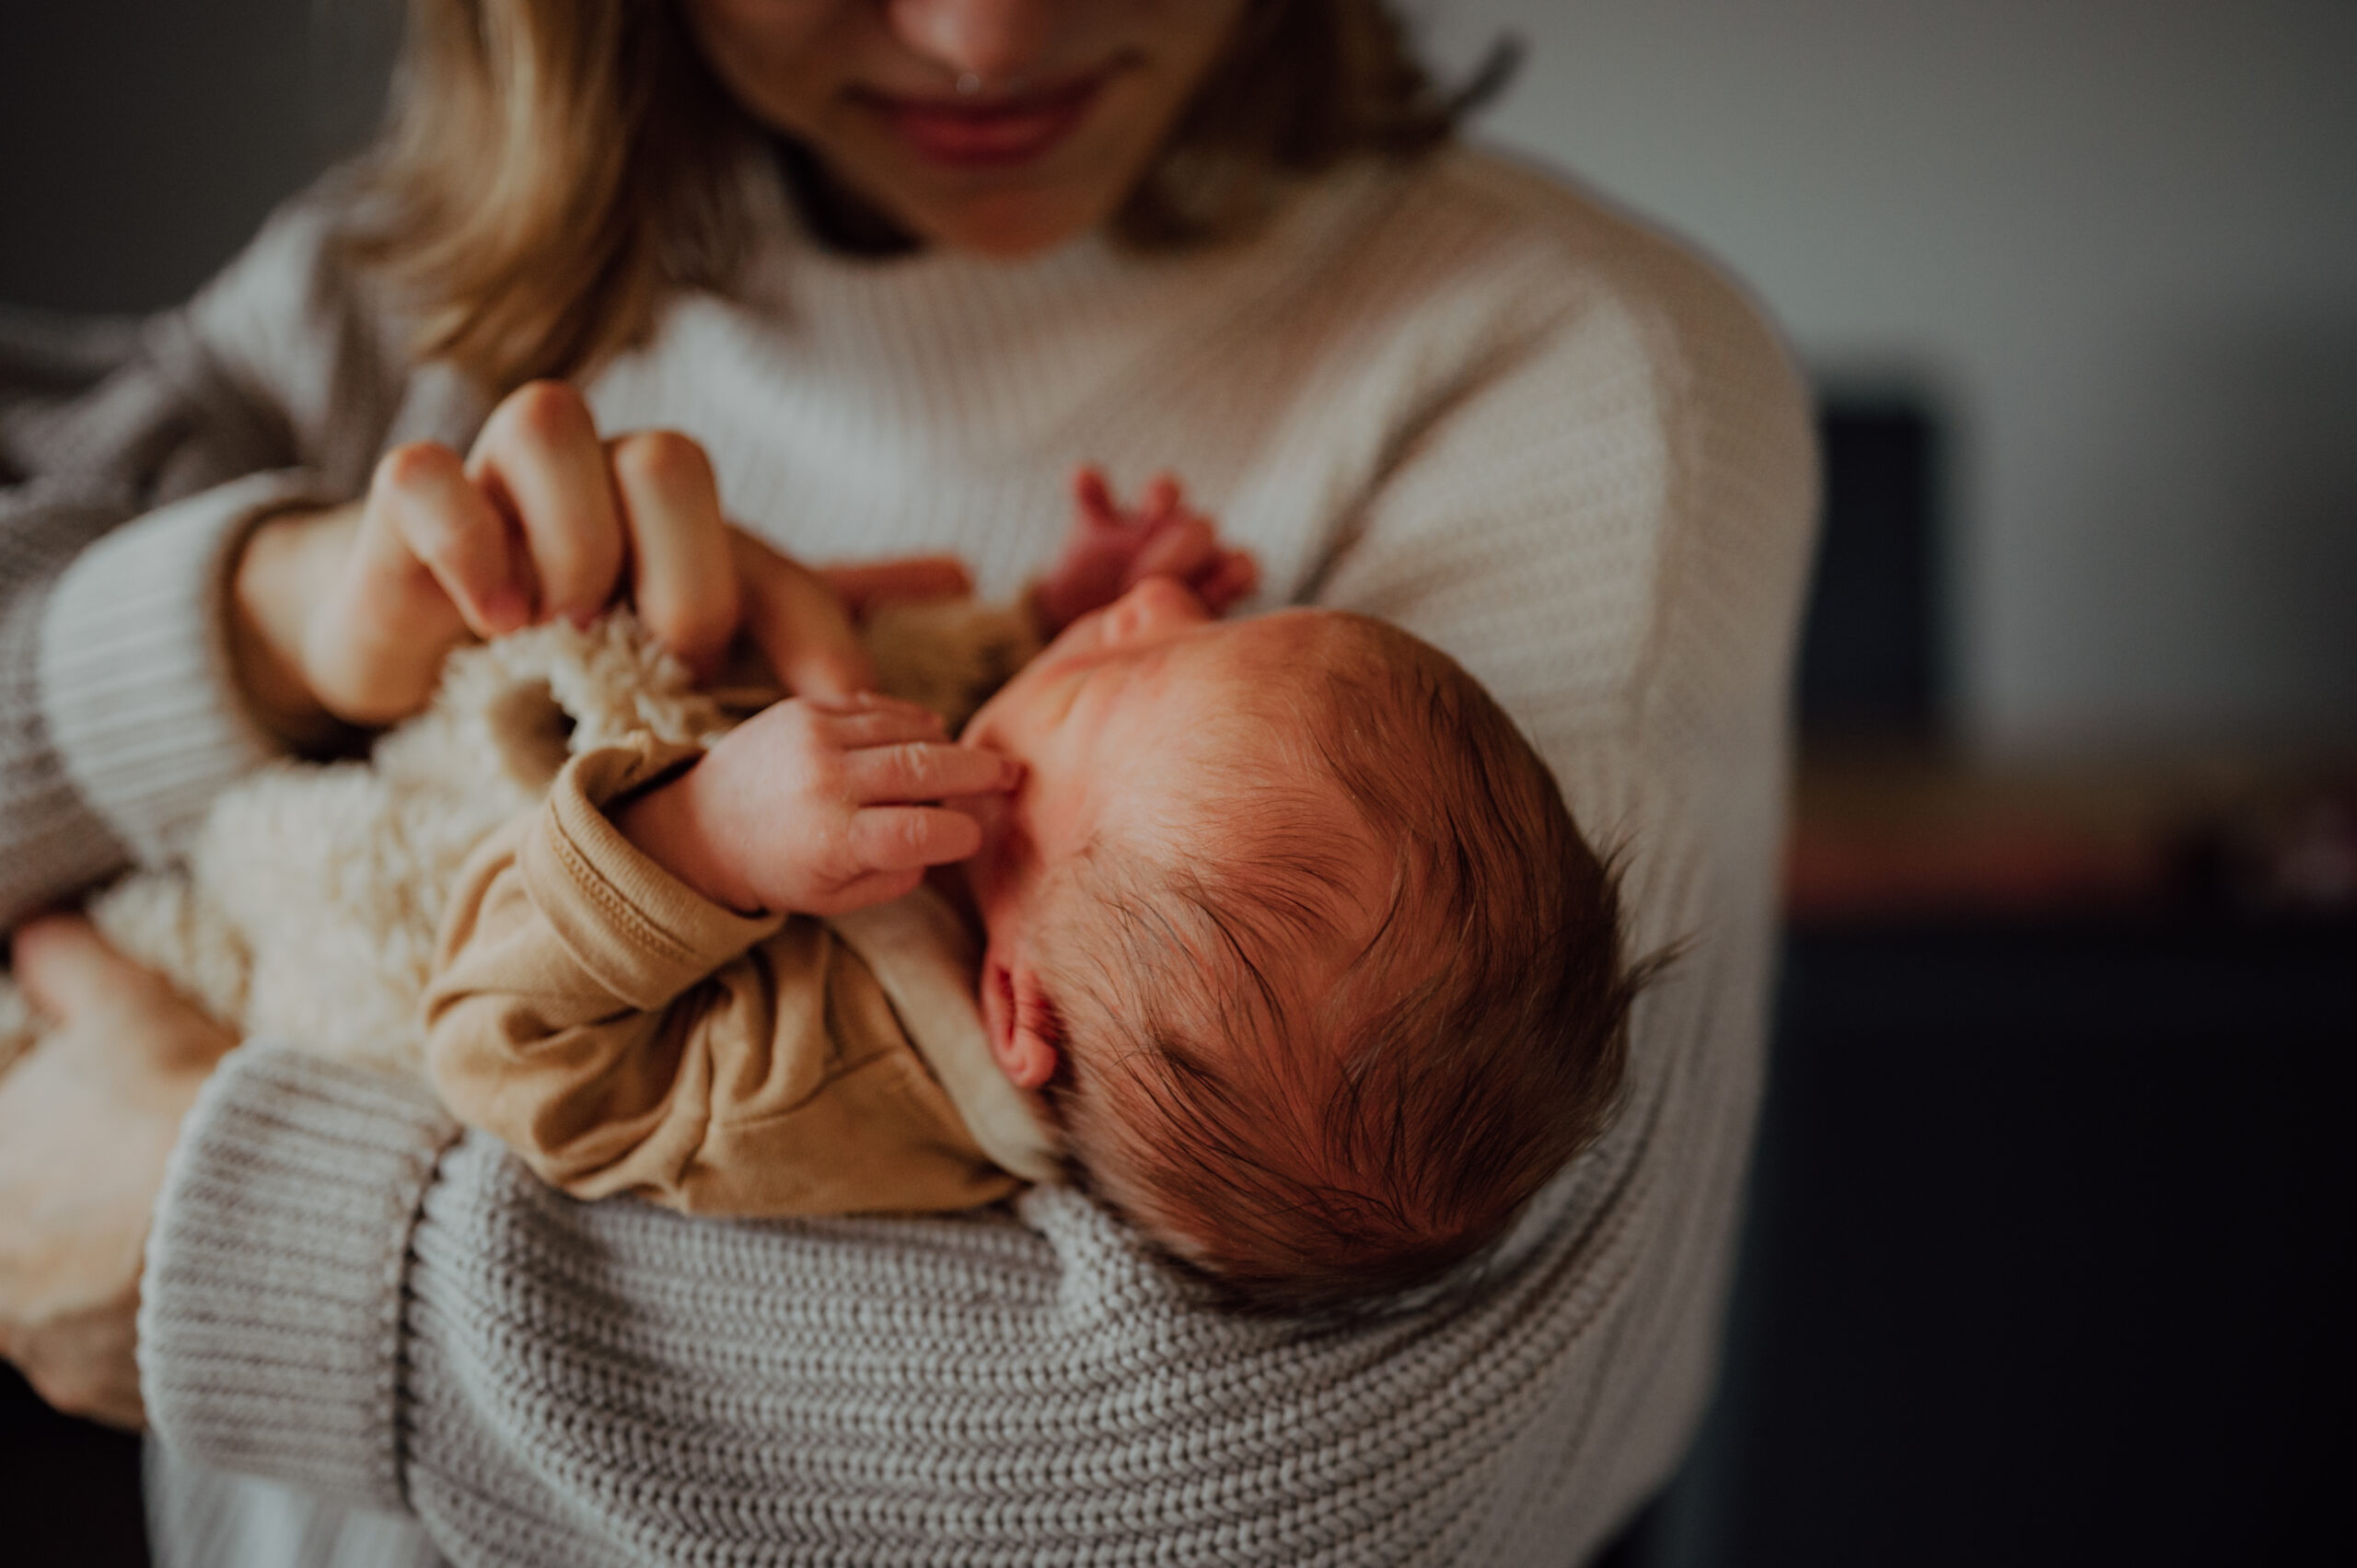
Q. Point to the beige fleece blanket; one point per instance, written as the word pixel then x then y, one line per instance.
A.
pixel 307 908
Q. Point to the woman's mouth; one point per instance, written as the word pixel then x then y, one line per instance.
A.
pixel 1002 131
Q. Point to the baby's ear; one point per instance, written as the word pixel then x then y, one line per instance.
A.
pixel 1025 1032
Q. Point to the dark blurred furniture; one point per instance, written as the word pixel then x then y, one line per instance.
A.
pixel 2048 1255
pixel 1872 657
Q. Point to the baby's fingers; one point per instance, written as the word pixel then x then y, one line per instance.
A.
pixel 925 770
pixel 865 719
pixel 875 888
pixel 910 838
pixel 1181 546
pixel 1163 498
pixel 1233 575
pixel 1093 497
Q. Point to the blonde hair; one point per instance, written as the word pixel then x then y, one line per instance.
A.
pixel 552 168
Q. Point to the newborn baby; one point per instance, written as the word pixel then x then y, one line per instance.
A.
pixel 1291 952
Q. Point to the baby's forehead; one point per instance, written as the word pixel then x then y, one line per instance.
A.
pixel 1311 632
pixel 1269 689
pixel 1297 652
pixel 1245 786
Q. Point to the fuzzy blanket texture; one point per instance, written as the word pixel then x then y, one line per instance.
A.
pixel 307 907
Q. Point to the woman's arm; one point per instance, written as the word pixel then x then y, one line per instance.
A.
pixel 120 714
pixel 90 1117
pixel 889 1389
pixel 1610 530
pixel 179 594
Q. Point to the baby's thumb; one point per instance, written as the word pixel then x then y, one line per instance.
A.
pixel 68 969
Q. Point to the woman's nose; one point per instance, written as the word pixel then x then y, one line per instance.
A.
pixel 992 39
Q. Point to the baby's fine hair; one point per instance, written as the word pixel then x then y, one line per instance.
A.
pixel 1318 1137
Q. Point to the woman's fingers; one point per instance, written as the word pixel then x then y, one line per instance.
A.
pixel 910 838
pixel 920 770
pixel 426 561
pixel 683 571
pixel 87 1123
pixel 424 511
pixel 104 1002
pixel 909 577
pixel 798 623
pixel 540 461
pixel 84 1362
pixel 68 969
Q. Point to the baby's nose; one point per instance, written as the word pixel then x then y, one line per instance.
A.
pixel 1155 606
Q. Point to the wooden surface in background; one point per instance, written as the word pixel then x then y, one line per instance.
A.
pixel 1903 833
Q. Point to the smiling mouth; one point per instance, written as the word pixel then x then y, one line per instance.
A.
pixel 1003 133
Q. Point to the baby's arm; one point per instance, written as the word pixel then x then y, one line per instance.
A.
pixel 600 1012
pixel 550 1019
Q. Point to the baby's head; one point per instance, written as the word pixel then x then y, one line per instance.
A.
pixel 1291 927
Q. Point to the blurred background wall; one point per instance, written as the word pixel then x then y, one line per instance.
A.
pixel 2117 240
pixel 2114 242
pixel 141 140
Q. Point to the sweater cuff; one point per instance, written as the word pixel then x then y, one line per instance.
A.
pixel 643 935
pixel 269 1317
pixel 136 685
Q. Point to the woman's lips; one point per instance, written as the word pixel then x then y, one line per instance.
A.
pixel 998 133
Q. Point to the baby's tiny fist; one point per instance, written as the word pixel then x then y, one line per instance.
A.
pixel 1112 549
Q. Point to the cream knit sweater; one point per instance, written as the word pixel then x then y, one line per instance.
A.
pixel 1460 398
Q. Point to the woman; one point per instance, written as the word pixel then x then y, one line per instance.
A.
pixel 887 270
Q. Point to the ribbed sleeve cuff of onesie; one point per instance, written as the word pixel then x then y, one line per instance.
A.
pixel 136 687
pixel 270 1319
pixel 641 931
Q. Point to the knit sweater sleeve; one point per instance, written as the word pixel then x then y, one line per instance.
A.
pixel 1604 514
pixel 120 718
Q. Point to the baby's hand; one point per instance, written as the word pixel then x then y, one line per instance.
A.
pixel 1111 550
pixel 819 807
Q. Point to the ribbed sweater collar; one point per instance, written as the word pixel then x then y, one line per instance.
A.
pixel 984 329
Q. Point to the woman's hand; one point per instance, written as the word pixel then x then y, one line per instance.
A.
pixel 86 1121
pixel 346 615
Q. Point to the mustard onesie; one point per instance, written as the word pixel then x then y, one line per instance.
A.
pixel 623 1033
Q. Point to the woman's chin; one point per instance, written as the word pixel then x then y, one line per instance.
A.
pixel 999 214
pixel 1006 226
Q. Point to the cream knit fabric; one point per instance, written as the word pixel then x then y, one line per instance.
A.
pixel 1462 399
